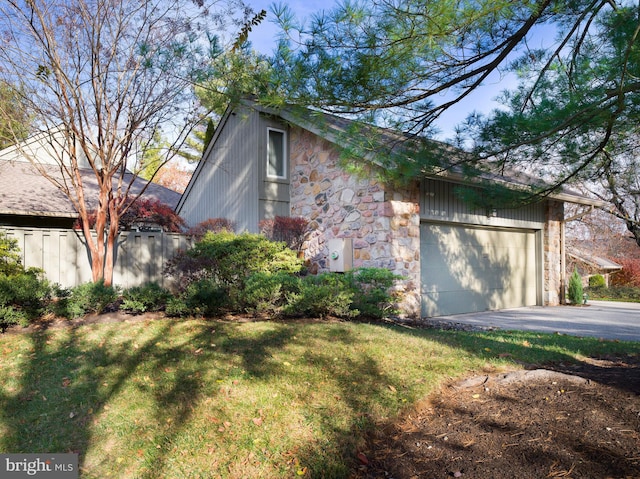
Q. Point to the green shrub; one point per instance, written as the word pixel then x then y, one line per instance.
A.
pixel 148 297
pixel 23 297
pixel 361 292
pixel 597 281
pixel 618 293
pixel 176 307
pixel 228 259
pixel 267 293
pixel 372 291
pixel 575 288
pixel 88 298
pixel 201 298
pixel 325 294
pixel 10 262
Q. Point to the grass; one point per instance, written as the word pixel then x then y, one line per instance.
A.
pixel 199 399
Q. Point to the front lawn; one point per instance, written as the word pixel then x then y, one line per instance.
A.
pixel 205 399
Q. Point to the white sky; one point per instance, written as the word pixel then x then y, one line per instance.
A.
pixel 263 39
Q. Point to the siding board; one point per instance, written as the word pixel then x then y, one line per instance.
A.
pixel 438 202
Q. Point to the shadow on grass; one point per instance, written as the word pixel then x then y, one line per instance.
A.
pixel 67 380
pixel 64 383
pixel 610 362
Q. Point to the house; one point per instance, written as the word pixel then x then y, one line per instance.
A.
pixel 28 198
pixel 588 264
pixel 40 217
pixel 454 258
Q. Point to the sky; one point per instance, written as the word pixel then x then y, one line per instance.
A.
pixel 483 100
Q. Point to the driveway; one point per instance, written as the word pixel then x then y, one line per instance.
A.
pixel 601 319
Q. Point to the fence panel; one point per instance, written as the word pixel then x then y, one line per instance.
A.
pixel 63 255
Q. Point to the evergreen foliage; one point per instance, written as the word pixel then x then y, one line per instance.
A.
pixel 575 292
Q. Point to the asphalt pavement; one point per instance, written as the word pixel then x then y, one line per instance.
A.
pixel 601 319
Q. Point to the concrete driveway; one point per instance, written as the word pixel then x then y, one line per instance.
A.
pixel 601 319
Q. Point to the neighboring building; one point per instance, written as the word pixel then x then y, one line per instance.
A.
pixel 455 259
pixel 588 265
pixel 28 198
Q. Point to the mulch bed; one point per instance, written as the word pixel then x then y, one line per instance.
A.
pixel 577 421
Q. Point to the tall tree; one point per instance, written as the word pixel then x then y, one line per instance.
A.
pixel 577 113
pixel 403 63
pixel 100 78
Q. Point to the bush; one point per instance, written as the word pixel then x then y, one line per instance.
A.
pixel 228 259
pixel 361 292
pixel 23 297
pixel 10 262
pixel 88 298
pixel 215 225
pixel 148 297
pixel 291 230
pixel 629 275
pixel 597 281
pixel 372 288
pixel 618 293
pixel 201 298
pixel 266 293
pixel 575 288
pixel 325 294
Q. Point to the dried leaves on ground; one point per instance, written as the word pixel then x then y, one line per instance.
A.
pixel 565 421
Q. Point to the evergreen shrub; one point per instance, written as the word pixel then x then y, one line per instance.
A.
pixel 575 288
pixel 87 298
pixel 147 297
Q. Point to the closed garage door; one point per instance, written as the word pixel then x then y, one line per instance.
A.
pixel 466 269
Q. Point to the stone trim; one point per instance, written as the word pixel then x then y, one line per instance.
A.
pixel 383 223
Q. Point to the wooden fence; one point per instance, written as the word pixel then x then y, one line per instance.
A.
pixel 63 255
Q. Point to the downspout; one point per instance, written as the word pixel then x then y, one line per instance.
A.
pixel 563 250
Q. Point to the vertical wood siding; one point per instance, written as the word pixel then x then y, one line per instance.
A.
pixel 438 202
pixel 62 254
pixel 227 184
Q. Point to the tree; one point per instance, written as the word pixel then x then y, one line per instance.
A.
pixel 100 78
pixel 404 63
pixel 577 114
pixel 14 119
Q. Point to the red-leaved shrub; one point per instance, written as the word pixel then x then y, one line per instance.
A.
pixel 215 225
pixel 629 275
pixel 291 230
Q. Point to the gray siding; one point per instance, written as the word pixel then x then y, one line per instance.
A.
pixel 274 192
pixel 225 184
pixel 61 253
pixel 439 203
pixel 231 182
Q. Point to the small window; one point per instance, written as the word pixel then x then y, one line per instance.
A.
pixel 276 154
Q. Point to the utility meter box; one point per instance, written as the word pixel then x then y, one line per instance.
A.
pixel 340 254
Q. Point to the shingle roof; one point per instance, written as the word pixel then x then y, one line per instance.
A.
pixel 25 191
pixel 598 262
pixel 352 134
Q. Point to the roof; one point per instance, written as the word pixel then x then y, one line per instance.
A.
pixel 25 191
pixel 594 261
pixel 340 131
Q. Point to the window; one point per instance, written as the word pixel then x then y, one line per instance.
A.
pixel 276 154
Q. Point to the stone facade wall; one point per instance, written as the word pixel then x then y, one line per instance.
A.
pixel 553 261
pixel 384 224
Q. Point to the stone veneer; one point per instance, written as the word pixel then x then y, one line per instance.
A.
pixel 384 224
pixel 553 262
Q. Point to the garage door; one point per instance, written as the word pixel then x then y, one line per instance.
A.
pixel 467 269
